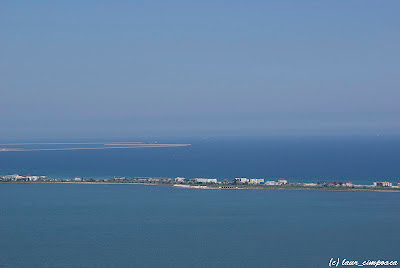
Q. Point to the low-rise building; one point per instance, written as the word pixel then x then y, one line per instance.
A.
pixel 387 184
pixel 179 179
pixel 283 181
pixel 141 179
pixel 119 178
pixel 349 184
pixel 203 180
pixel 256 181
pixel 13 177
pixel 382 184
pixel 164 179
pixel 33 178
pixel 78 179
pixel 26 177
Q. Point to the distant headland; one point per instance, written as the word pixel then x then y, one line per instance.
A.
pixel 24 147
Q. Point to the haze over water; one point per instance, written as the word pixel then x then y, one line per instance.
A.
pixel 101 69
pixel 305 90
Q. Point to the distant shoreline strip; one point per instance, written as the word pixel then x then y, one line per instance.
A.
pixel 66 143
pixel 133 146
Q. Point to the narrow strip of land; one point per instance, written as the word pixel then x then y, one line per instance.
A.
pixel 66 143
pixel 105 147
pixel 192 185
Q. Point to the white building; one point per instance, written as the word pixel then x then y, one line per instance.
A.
pixel 119 178
pixel 282 181
pixel 78 179
pixel 382 184
pixel 33 178
pixel 386 183
pixel 179 179
pixel 202 180
pixel 13 177
pixel 242 180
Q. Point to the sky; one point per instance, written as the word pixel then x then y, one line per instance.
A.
pixel 199 68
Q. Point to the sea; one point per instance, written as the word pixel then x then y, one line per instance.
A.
pixel 361 160
pixel 76 225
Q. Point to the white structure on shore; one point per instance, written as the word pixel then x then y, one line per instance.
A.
pixel 203 180
pixel 78 179
pixel 33 178
pixel 16 177
pixel 12 177
pixel 282 181
pixel 179 179
pixel 382 184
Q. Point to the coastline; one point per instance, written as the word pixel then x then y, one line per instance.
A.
pixel 220 187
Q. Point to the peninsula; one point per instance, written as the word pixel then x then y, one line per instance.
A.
pixel 24 147
pixel 206 183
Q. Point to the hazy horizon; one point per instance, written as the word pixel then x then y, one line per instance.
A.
pixel 75 69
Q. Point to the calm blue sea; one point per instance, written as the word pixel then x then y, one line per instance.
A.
pixel 55 225
pixel 69 225
pixel 356 159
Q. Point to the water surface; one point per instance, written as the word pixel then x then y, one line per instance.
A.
pixel 361 160
pixel 69 225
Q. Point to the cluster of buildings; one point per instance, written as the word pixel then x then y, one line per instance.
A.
pixel 122 180
pixel 350 184
pixel 140 180
pixel 16 177
pixel 384 184
pixel 195 181
pixel 159 180
pixel 281 181
pixel 335 183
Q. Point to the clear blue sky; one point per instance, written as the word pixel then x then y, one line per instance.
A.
pixel 138 68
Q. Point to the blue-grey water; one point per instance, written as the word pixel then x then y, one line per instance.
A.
pixel 356 159
pixel 69 225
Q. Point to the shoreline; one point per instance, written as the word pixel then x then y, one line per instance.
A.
pixel 219 187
